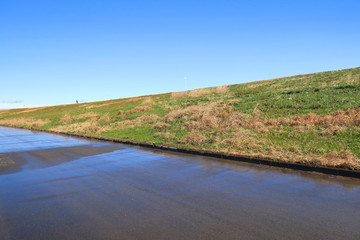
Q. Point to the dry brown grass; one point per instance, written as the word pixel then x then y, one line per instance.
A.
pixel 219 119
pixel 125 124
pixel 179 94
pixel 256 124
pixel 256 112
pixel 98 105
pixel 216 115
pixel 161 125
pixel 136 122
pixel 149 118
pixel 193 93
pixel 246 143
pixel 166 135
pixel 235 120
pixel 85 115
pixel 172 107
pixel 192 125
pixel 89 106
pixel 181 112
pixel 343 159
pixel 148 101
pixel 352 78
pixel 135 110
pixel 104 118
pixel 202 121
pixel 199 92
pixel 195 138
pixel 234 100
pixel 90 126
pixel 241 140
pixel 66 118
pixel 122 113
pixel 19 122
pixel 31 109
pixel 333 130
pixel 221 89
pixel 330 124
pixel 350 117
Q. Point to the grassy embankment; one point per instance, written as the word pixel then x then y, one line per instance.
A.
pixel 311 119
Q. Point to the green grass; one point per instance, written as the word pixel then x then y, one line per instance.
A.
pixel 233 120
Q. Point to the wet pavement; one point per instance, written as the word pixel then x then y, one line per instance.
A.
pixel 68 188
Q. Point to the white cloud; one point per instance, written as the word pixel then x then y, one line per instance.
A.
pixel 14 101
pixel 15 105
pixel 10 105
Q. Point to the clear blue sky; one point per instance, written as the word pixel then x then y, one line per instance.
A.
pixel 55 52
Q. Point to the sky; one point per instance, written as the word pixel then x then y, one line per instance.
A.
pixel 57 52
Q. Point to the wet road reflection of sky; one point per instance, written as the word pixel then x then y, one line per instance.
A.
pixel 139 193
pixel 14 140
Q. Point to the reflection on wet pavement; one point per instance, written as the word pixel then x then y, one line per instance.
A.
pixel 68 188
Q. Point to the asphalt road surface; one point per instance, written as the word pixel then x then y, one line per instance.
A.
pixel 56 187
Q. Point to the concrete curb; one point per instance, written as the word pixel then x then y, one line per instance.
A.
pixel 295 166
